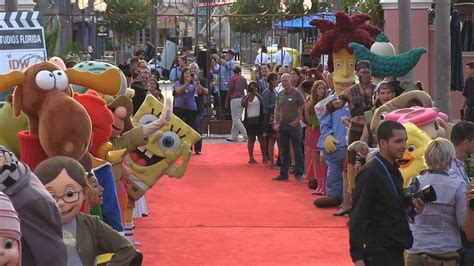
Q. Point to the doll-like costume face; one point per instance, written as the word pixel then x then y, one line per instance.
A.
pixel 9 252
pixel 68 195
pixel 344 66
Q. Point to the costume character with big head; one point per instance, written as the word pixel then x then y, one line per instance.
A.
pixel 58 125
pixel 334 41
pixel 85 236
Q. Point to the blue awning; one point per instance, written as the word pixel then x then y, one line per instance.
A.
pixel 304 23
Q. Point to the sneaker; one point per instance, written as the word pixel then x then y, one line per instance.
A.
pixel 245 139
pixel 280 178
pixel 231 139
pixel 299 179
pixel 198 153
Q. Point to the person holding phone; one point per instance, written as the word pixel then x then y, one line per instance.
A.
pixel 185 106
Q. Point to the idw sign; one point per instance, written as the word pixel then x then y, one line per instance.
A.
pixel 21 41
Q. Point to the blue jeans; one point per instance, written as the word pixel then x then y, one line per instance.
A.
pixel 335 162
pixel 292 134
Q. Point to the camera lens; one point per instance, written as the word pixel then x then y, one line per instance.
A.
pixel 471 204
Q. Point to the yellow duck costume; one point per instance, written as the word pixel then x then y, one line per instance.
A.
pixel 412 163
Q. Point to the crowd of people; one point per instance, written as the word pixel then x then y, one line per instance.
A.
pixel 296 111
pixel 303 127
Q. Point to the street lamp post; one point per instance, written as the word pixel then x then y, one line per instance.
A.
pixel 90 8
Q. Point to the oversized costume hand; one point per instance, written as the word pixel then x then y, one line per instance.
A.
pixel 164 120
pixel 330 143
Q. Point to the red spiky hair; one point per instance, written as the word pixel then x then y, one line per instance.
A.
pixel 337 36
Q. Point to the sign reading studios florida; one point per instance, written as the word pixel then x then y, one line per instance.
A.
pixel 21 41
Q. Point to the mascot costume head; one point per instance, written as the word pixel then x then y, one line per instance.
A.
pixel 159 157
pixel 334 42
pixel 384 61
pixel 58 125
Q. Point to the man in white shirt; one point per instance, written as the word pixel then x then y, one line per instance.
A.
pixel 262 58
pixel 281 57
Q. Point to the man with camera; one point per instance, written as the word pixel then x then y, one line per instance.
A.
pixel 378 229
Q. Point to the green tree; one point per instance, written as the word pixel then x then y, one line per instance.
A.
pixel 128 16
pixel 51 36
pixel 371 7
pixel 252 16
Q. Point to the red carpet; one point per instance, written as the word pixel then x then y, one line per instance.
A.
pixel 225 211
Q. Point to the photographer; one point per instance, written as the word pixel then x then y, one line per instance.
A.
pixel 469 219
pixel 378 228
pixel 436 232
pixel 185 105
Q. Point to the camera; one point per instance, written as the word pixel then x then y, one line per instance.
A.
pixel 413 191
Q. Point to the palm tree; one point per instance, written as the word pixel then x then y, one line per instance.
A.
pixel 404 28
pixel 443 55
